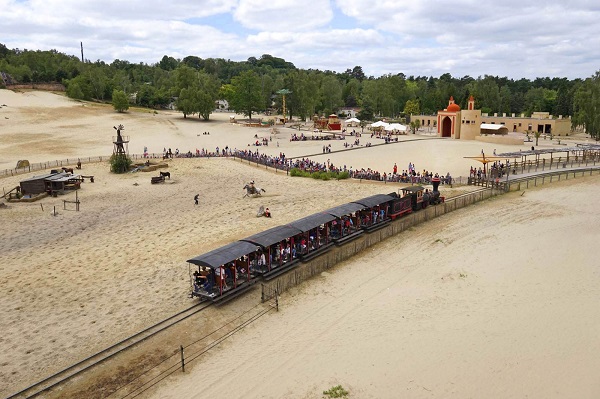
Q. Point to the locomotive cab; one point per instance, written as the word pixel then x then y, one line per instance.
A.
pixel 416 195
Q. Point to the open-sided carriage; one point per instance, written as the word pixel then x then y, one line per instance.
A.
pixel 276 250
pixel 225 270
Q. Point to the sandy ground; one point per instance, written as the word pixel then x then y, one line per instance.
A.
pixel 497 300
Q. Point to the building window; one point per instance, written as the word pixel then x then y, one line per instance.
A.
pixel 519 124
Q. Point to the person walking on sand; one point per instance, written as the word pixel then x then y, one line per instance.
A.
pixel 196 197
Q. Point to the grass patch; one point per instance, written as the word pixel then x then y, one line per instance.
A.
pixel 295 172
pixel 336 392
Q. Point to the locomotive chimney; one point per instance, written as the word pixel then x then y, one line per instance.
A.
pixel 436 183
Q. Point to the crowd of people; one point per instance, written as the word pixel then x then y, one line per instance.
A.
pixel 410 175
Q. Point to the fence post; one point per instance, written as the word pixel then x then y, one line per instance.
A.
pixel 182 359
pixel 277 300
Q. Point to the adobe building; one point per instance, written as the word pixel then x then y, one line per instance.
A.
pixel 471 124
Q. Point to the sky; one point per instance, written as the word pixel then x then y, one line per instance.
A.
pixel 535 38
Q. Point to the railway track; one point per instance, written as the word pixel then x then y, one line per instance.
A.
pixel 76 369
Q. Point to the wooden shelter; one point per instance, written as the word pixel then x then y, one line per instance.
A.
pixel 51 182
pixel 330 123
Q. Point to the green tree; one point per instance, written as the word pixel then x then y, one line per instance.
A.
pixel 415 125
pixel 244 94
pixel 365 114
pixel 120 101
pixel 208 93
pixel 188 101
pixel 411 107
pixel 586 106
pixel 120 163
pixel 74 91
pixel 505 96
pixel 168 63
pixel 535 100
pixel 331 94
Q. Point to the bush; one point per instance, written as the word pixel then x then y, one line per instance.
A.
pixel 120 163
pixel 120 101
pixel 336 392
pixel 319 175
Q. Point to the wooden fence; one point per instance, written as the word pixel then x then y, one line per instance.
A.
pixel 547 177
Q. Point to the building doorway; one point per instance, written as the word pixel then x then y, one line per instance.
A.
pixel 446 127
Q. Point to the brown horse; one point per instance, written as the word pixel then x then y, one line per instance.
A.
pixel 165 174
pixel 67 170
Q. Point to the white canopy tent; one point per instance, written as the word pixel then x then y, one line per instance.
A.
pixel 352 120
pixel 395 127
pixel 379 124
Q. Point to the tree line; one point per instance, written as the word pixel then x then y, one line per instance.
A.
pixel 193 84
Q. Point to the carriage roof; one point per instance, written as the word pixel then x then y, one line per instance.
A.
pixel 344 210
pixel 224 255
pixel 412 189
pixel 374 200
pixel 273 235
pixel 310 222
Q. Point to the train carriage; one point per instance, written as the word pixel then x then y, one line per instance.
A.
pixel 376 211
pixel 277 250
pixel 316 237
pixel 221 271
pixel 346 226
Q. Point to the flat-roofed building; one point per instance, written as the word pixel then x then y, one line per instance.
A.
pixel 466 124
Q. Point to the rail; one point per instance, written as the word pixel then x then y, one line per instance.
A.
pixel 68 373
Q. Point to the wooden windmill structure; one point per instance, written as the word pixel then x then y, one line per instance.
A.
pixel 121 143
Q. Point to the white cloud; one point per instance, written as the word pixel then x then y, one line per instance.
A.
pixel 283 15
pixel 462 37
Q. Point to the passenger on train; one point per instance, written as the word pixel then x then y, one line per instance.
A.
pixel 220 276
pixel 262 261
pixel 197 281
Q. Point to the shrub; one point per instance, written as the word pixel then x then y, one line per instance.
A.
pixel 336 392
pixel 120 101
pixel 120 163
pixel 319 175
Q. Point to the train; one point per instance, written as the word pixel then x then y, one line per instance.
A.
pixel 232 269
